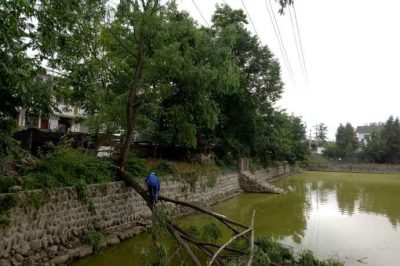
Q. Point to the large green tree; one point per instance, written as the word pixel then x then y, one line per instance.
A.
pixel 374 149
pixel 22 84
pixel 241 120
pixel 346 141
pixel 391 139
pixel 321 133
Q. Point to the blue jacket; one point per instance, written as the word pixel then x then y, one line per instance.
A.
pixel 153 181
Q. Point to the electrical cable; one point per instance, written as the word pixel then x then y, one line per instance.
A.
pixel 201 14
pixel 251 20
pixel 296 42
pixel 281 46
pixel 280 37
pixel 301 45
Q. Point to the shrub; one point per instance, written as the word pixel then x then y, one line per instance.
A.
pixel 275 251
pixel 166 168
pixel 6 182
pixel 66 167
pixel 211 180
pixel 93 239
pixel 162 215
pixel 268 250
pixel 193 230
pixel 137 167
pixel 161 255
pixel 191 179
pixel 211 232
pixel 158 258
pixel 308 258
pixel 7 201
pixel 33 200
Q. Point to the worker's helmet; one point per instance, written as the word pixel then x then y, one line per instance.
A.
pixel 152 173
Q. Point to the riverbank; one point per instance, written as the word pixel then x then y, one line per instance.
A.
pixel 354 168
pixel 335 215
pixel 47 226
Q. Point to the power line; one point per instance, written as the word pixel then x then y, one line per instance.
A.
pixel 280 38
pixel 201 14
pixel 301 45
pixel 295 36
pixel 280 42
pixel 251 21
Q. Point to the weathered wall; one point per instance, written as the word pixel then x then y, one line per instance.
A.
pixel 54 228
pixel 259 180
pixel 50 233
pixel 356 168
pixel 272 172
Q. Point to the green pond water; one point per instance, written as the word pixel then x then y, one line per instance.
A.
pixel 336 215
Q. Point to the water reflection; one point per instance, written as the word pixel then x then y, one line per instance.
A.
pixel 367 193
pixel 351 216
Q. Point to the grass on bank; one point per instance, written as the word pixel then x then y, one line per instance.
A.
pixel 313 158
pixel 62 166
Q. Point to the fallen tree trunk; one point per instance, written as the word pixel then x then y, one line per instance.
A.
pixel 214 214
pixel 183 237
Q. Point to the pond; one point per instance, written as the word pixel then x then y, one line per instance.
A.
pixel 346 216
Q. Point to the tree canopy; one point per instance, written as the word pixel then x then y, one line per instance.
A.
pixel 384 146
pixel 140 65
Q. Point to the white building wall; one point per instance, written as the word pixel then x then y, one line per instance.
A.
pixel 66 111
pixel 361 137
pixel 53 123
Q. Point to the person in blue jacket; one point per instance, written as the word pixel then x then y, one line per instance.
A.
pixel 153 186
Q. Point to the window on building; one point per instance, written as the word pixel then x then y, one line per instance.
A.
pixel 31 120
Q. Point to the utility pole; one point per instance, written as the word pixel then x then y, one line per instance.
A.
pixel 316 136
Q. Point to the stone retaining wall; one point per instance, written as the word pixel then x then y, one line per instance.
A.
pixel 49 231
pixel 265 175
pixel 52 231
pixel 356 168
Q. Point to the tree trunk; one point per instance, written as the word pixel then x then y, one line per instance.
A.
pixel 183 237
pixel 132 96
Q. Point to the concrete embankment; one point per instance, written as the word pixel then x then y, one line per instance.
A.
pixel 49 231
pixel 355 168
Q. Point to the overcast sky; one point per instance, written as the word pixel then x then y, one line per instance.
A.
pixel 352 56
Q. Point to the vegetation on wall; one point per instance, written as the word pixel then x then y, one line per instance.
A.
pixel 93 238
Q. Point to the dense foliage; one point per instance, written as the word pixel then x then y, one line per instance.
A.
pixel 345 145
pixel 139 65
pixel 384 146
pixel 61 167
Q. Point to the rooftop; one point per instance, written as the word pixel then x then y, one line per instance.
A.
pixel 369 129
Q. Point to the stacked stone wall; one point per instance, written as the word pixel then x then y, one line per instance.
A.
pixel 52 231
pixel 356 168
pixel 265 175
pixel 48 231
